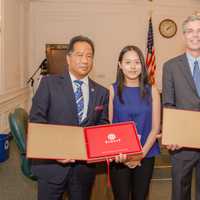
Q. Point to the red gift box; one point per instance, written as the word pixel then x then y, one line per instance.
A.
pixel 95 143
pixel 109 140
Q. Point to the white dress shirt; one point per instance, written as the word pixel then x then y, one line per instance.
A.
pixel 191 61
pixel 85 91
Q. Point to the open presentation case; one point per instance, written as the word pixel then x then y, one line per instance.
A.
pixel 92 144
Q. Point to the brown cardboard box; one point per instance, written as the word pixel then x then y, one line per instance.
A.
pixel 55 142
pixel 181 127
pixel 46 141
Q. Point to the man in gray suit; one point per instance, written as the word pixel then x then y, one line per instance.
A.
pixel 181 90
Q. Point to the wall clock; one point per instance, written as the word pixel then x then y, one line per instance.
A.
pixel 167 28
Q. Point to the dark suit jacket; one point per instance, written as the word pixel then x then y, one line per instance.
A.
pixel 179 91
pixel 54 103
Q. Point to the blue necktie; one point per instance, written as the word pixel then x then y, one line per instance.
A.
pixel 196 76
pixel 79 99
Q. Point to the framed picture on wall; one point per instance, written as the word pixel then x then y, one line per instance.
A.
pixel 56 58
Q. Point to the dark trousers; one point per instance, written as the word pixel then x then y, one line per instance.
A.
pixel 78 183
pixel 182 176
pixel 132 183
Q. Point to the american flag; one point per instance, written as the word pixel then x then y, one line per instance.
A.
pixel 150 58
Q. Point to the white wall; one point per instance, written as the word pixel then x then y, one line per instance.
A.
pixel 112 24
pixel 15 43
pixel 1 43
pixel 27 25
pixel 13 57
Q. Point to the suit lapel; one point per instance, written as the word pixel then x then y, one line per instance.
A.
pixel 186 71
pixel 92 97
pixel 68 92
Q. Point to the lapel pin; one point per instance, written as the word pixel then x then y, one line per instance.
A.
pixel 92 89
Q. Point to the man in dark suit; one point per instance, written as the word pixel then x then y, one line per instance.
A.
pixel 181 90
pixel 69 99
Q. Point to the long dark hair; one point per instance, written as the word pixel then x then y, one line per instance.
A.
pixel 143 77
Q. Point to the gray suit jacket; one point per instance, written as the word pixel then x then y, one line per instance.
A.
pixel 179 91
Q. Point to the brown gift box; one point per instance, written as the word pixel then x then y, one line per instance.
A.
pixel 181 127
pixel 50 142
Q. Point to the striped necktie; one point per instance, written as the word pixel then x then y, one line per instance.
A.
pixel 196 76
pixel 79 99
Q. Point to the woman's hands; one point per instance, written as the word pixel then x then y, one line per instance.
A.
pixel 121 158
pixel 130 161
pixel 132 164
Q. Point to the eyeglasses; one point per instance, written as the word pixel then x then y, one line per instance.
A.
pixel 192 31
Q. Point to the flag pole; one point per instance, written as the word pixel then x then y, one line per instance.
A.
pixel 150 56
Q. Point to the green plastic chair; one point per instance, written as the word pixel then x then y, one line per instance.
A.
pixel 18 122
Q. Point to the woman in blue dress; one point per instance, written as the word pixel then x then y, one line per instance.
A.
pixel 132 98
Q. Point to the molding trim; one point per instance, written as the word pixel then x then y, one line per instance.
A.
pixel 8 102
pixel 7 97
pixel 151 4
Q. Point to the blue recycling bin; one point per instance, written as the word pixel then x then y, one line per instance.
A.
pixel 4 147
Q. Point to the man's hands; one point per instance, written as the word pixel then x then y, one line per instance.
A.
pixel 65 161
pixel 173 147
